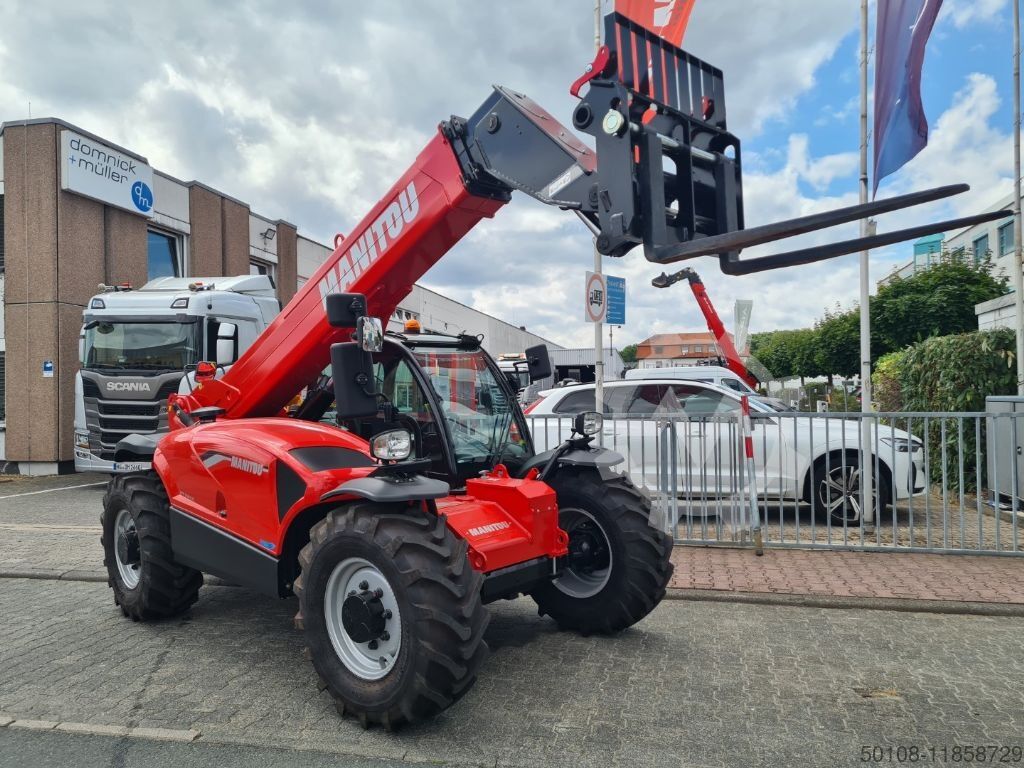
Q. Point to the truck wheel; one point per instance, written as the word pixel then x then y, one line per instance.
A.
pixel 392 612
pixel 147 582
pixel 618 564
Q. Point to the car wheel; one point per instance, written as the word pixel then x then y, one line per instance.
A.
pixel 837 491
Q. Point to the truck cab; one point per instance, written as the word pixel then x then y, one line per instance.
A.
pixel 137 345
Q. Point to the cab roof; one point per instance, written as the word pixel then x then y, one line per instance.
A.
pixel 435 339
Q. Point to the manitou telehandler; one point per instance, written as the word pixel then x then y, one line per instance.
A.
pixel 422 498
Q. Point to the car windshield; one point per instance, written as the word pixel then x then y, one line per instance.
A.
pixel 149 346
pixel 480 415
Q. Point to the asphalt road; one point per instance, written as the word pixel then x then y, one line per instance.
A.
pixel 703 684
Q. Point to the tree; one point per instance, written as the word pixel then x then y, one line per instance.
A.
pixel 837 343
pixel 785 354
pixel 628 354
pixel 938 301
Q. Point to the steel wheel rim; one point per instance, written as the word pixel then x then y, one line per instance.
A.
pixel 360 659
pixel 580 583
pixel 126 549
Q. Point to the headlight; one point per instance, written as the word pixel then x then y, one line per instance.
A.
pixel 903 444
pixel 393 445
pixel 588 423
pixel 81 439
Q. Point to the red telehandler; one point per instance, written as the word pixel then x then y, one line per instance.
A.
pixel 395 517
pixel 714 322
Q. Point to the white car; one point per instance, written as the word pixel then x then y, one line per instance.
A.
pixel 798 457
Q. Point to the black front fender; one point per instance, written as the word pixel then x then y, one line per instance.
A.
pixel 598 458
pixel 391 489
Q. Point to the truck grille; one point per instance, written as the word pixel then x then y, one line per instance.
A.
pixel 111 420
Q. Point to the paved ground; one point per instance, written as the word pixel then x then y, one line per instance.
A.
pixel 697 683
pixel 694 684
pixel 884 575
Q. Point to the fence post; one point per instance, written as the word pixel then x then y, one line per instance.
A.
pixel 748 451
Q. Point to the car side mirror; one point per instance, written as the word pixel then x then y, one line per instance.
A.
pixel 227 343
pixel 355 393
pixel 538 362
pixel 370 334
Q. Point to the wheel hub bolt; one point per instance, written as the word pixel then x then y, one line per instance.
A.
pixel 378 593
pixel 351 592
pixel 385 635
pixel 372 645
pixel 364 585
pixel 387 613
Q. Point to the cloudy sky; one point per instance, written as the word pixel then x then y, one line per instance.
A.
pixel 312 112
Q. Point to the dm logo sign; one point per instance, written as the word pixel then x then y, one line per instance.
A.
pixel 142 196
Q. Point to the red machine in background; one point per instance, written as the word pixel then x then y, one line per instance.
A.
pixel 405 492
pixel 715 324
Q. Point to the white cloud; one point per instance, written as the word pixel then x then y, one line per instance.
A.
pixel 313 115
pixel 962 13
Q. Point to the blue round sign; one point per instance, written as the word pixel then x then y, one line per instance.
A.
pixel 142 196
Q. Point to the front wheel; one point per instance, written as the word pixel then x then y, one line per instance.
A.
pixel 618 565
pixel 392 612
pixel 147 582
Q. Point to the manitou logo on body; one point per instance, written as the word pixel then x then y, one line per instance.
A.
pixel 372 245
pixel 491 528
pixel 247 465
pixel 129 386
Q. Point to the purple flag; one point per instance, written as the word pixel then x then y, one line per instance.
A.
pixel 901 128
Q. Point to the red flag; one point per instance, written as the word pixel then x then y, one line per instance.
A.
pixel 666 18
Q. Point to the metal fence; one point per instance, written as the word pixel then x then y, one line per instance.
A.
pixel 942 482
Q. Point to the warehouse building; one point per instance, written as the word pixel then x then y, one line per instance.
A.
pixel 77 210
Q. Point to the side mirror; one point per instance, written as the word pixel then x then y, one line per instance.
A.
pixel 355 393
pixel 345 309
pixel 370 334
pixel 227 343
pixel 538 362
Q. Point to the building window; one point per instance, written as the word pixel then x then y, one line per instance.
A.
pixel 164 254
pixel 1006 238
pixel 262 268
pixel 981 249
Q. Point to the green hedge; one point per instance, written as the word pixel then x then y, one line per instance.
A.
pixel 957 373
pixel 948 373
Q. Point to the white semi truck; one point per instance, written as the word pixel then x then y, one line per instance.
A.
pixel 137 344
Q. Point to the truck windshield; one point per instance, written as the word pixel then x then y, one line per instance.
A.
pixel 146 346
pixel 480 415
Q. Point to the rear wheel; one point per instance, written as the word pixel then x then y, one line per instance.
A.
pixel 618 565
pixel 147 582
pixel 392 612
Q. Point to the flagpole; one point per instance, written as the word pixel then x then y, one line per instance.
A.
pixel 865 276
pixel 1018 292
pixel 598 339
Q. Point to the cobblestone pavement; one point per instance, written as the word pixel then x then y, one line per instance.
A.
pixel 977 579
pixel 694 684
pixel 937 521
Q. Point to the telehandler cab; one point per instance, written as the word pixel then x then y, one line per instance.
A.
pixel 423 498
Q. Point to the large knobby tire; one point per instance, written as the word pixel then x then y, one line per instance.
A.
pixel 148 584
pixel 619 561
pixel 430 619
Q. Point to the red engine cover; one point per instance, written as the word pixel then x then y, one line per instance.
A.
pixel 506 521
